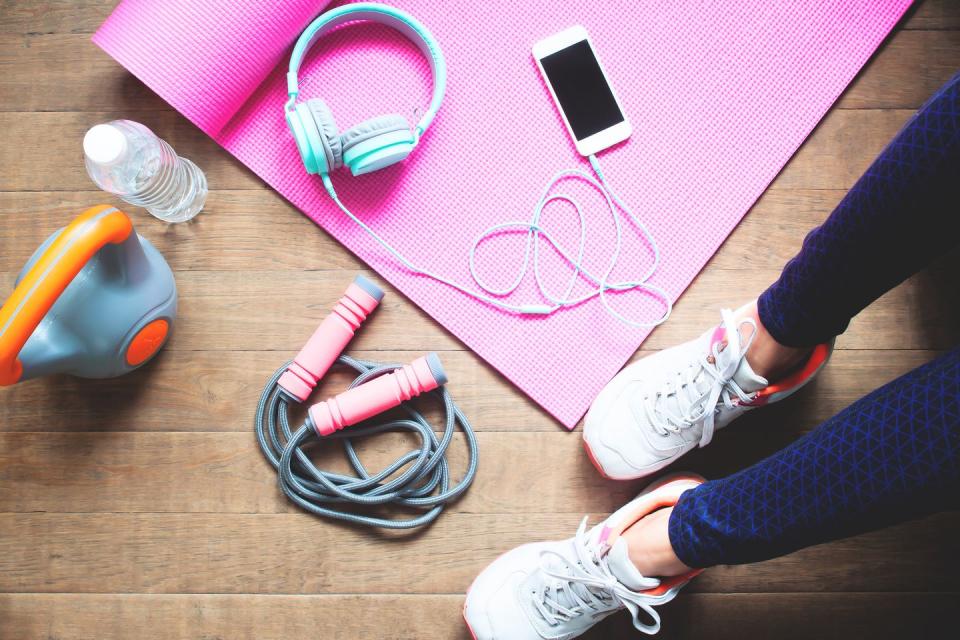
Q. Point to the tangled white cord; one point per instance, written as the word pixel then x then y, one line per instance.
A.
pixel 534 231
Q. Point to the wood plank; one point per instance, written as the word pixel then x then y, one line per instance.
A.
pixel 68 72
pixel 207 391
pixel 224 472
pixel 184 617
pixel 290 553
pixel 837 616
pixel 238 230
pixel 203 391
pixel 41 150
pixel 53 16
pixel 237 310
pixel 241 310
pixel 798 616
pixel 933 14
pixel 906 70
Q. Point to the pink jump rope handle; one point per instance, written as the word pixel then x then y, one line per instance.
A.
pixel 330 338
pixel 378 395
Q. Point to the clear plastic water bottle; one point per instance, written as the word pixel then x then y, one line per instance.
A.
pixel 130 161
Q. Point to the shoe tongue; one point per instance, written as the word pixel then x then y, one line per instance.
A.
pixel 731 354
pixel 747 379
pixel 618 560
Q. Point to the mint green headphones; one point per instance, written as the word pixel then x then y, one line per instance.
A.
pixel 375 143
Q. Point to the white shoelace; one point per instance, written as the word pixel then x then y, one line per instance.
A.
pixel 589 587
pixel 696 405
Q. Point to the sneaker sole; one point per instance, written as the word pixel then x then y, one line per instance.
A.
pixel 603 474
pixel 593 459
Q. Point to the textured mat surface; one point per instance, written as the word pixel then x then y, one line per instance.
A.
pixel 720 95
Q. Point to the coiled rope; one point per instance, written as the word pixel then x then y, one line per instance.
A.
pixel 419 478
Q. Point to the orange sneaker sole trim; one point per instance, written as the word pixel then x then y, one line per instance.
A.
pixel 593 460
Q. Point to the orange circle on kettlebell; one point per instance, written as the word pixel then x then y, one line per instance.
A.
pixel 147 342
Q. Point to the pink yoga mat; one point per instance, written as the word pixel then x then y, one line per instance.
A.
pixel 720 96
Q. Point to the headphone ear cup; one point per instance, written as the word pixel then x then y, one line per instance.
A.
pixel 297 120
pixel 376 143
pixel 325 129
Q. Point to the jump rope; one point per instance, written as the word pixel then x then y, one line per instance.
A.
pixel 417 479
pixel 425 482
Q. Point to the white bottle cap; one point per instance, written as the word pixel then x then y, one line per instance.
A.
pixel 104 144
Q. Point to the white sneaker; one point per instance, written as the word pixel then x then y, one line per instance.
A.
pixel 661 407
pixel 557 590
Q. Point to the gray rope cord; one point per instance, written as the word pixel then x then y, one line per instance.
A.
pixel 424 484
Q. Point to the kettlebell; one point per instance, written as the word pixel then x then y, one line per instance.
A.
pixel 96 300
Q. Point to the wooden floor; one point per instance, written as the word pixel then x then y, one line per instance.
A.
pixel 141 508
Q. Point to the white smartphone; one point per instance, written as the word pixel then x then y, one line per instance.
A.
pixel 582 91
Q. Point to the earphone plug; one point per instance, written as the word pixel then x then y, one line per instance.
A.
pixel 378 395
pixel 330 338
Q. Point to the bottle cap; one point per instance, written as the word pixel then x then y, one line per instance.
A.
pixel 104 144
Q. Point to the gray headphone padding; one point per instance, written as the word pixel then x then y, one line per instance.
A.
pixel 329 134
pixel 371 128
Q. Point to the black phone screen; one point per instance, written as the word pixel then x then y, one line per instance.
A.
pixel 581 89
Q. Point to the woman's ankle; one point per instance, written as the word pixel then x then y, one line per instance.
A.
pixel 648 541
pixel 766 356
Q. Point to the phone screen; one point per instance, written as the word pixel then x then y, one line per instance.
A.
pixel 582 89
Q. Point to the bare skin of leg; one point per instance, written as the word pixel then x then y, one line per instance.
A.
pixel 648 541
pixel 767 357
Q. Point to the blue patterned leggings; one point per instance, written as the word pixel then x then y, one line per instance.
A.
pixel 894 454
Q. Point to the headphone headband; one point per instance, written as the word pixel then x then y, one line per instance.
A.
pixel 389 16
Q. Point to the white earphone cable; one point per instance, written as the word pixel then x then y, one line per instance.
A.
pixel 534 232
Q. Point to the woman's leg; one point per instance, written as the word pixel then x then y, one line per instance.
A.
pixel 891 456
pixel 888 457
pixel 901 213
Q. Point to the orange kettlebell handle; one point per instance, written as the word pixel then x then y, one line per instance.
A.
pixel 50 275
